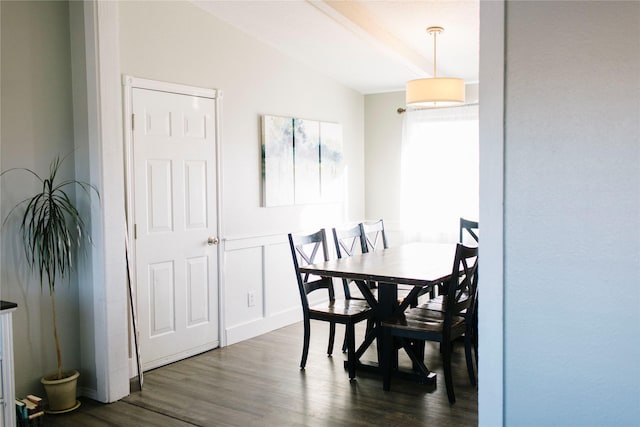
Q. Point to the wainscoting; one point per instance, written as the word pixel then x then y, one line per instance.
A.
pixel 262 266
pixel 259 290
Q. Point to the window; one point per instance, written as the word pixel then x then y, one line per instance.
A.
pixel 439 172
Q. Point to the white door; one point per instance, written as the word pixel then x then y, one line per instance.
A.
pixel 175 225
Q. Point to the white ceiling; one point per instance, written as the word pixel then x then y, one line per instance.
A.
pixel 369 45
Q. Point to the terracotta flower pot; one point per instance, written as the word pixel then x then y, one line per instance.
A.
pixel 61 394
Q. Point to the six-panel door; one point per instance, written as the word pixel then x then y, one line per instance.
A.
pixel 175 216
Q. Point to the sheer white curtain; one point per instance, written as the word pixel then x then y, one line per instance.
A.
pixel 439 172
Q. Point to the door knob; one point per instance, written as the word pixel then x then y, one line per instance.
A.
pixel 212 241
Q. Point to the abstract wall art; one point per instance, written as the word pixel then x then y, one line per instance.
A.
pixel 302 161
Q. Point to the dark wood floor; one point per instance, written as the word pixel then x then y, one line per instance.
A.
pixel 258 383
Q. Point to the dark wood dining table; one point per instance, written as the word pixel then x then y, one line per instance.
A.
pixel 419 265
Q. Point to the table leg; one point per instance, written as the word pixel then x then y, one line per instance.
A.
pixel 387 305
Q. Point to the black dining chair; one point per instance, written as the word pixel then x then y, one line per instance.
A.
pixel 468 227
pixel 310 249
pixel 472 229
pixel 375 236
pixel 421 324
pixel 350 241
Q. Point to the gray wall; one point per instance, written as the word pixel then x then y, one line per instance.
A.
pixel 572 208
pixel 37 125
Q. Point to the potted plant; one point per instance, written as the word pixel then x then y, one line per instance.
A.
pixel 53 231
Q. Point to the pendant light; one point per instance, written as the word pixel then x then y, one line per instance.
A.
pixel 435 91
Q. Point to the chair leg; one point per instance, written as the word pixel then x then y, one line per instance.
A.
pixel 386 353
pixel 446 362
pixel 305 345
pixel 332 336
pixel 475 346
pixel 468 343
pixel 475 333
pixel 344 342
pixel 351 350
pixel 475 340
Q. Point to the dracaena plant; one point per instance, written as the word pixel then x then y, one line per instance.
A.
pixel 52 231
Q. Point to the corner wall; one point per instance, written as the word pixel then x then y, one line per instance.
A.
pixel 572 204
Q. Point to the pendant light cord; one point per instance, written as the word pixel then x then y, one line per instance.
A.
pixel 434 31
pixel 435 34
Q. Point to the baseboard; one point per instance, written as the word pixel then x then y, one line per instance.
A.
pixel 87 392
pixel 152 364
pixel 258 327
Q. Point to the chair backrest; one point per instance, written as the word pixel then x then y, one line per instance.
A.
pixel 470 227
pixel 374 234
pixel 462 287
pixel 310 249
pixel 349 241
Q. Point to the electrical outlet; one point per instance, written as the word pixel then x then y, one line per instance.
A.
pixel 251 299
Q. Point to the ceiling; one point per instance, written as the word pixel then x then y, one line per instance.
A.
pixel 371 46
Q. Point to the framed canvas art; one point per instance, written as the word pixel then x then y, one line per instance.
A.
pixel 331 164
pixel 301 161
pixel 277 161
pixel 306 149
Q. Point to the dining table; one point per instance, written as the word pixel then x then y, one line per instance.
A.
pixel 419 266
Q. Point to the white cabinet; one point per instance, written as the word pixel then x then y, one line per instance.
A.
pixel 7 385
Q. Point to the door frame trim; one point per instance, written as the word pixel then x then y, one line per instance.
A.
pixel 104 322
pixel 138 82
pixel 128 84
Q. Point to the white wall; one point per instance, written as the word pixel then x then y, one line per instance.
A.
pixel 37 118
pixel 572 205
pixel 179 43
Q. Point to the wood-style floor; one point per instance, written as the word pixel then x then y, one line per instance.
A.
pixel 258 382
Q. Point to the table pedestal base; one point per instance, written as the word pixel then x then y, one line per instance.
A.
pixel 404 374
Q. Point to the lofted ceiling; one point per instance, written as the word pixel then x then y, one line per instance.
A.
pixel 369 45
